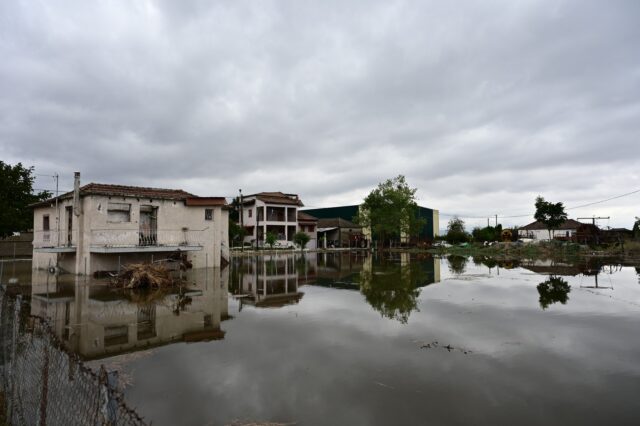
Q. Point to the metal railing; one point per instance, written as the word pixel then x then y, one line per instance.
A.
pixel 44 384
pixel 144 238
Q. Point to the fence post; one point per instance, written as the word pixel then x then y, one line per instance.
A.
pixel 45 384
pixel 108 384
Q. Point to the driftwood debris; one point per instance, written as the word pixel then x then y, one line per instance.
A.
pixel 145 275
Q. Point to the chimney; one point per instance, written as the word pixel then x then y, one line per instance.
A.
pixel 76 194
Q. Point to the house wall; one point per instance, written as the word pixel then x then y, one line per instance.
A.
pixel 313 235
pixel 252 221
pixel 543 234
pixel 92 227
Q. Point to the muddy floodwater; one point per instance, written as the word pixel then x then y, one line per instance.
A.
pixel 361 339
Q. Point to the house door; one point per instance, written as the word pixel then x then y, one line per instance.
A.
pixel 69 213
pixel 148 226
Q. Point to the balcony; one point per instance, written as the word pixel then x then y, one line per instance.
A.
pixel 54 241
pixel 133 240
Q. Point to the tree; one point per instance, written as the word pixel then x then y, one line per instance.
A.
pixel 456 232
pixel 636 229
pixel 488 233
pixel 393 289
pixel 552 215
pixel 555 289
pixel 457 264
pixel 271 239
pixel 391 210
pixel 16 193
pixel 301 239
pixel 236 233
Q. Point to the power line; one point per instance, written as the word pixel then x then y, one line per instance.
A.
pixel 531 215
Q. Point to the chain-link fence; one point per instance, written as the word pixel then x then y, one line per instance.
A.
pixel 41 383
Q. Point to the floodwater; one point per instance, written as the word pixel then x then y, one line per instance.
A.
pixel 356 339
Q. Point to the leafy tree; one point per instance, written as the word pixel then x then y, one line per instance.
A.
pixel 489 233
pixel 301 239
pixel 636 229
pixel 236 233
pixel 16 193
pixel 393 289
pixel 457 264
pixel 555 289
pixel 391 210
pixel 552 215
pixel 456 232
pixel 271 239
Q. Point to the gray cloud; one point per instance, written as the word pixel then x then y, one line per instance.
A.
pixel 481 105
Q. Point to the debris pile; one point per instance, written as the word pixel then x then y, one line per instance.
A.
pixel 145 275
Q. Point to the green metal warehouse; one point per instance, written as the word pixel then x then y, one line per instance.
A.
pixel 431 217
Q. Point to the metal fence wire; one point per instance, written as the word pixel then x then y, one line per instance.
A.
pixel 42 383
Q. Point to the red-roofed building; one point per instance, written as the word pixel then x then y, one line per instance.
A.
pixel 99 227
pixel 539 231
pixel 274 212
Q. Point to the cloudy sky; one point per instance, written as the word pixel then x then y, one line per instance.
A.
pixel 482 105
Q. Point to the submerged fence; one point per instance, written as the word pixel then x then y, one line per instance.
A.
pixel 43 384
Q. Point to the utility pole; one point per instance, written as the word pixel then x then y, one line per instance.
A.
pixel 496 221
pixel 241 219
pixel 593 219
pixel 57 178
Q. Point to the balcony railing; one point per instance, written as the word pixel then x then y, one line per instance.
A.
pixel 149 238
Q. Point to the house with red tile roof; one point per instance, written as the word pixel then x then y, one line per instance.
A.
pixel 539 231
pixel 270 212
pixel 100 227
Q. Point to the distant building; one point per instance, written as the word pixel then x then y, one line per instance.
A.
pixel 539 231
pixel 274 212
pixel 309 225
pixel 339 232
pixel 98 227
pixel 347 213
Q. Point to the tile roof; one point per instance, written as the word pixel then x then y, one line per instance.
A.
pixel 277 198
pixel 303 217
pixel 139 192
pixel 536 226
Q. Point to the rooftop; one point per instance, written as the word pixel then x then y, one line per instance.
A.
pixel 568 224
pixel 139 192
pixel 277 198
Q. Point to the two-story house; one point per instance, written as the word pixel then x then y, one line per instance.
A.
pixel 270 212
pixel 98 227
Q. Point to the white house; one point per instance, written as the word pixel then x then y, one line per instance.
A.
pixel 273 212
pixel 539 231
pixel 98 227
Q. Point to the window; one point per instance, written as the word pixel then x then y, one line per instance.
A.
pixel 118 212
pixel 250 212
pixel 45 228
pixel 208 214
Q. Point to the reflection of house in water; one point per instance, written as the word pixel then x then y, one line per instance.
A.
pixel 586 267
pixel 96 322
pixel 267 281
pixel 341 269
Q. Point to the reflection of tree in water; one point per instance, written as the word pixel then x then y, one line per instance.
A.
pixel 555 289
pixel 638 272
pixel 457 264
pixel 392 289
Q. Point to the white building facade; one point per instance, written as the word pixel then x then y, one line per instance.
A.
pixel 270 212
pixel 100 227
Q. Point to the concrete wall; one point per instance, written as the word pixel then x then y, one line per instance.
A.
pixel 543 234
pixel 93 228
